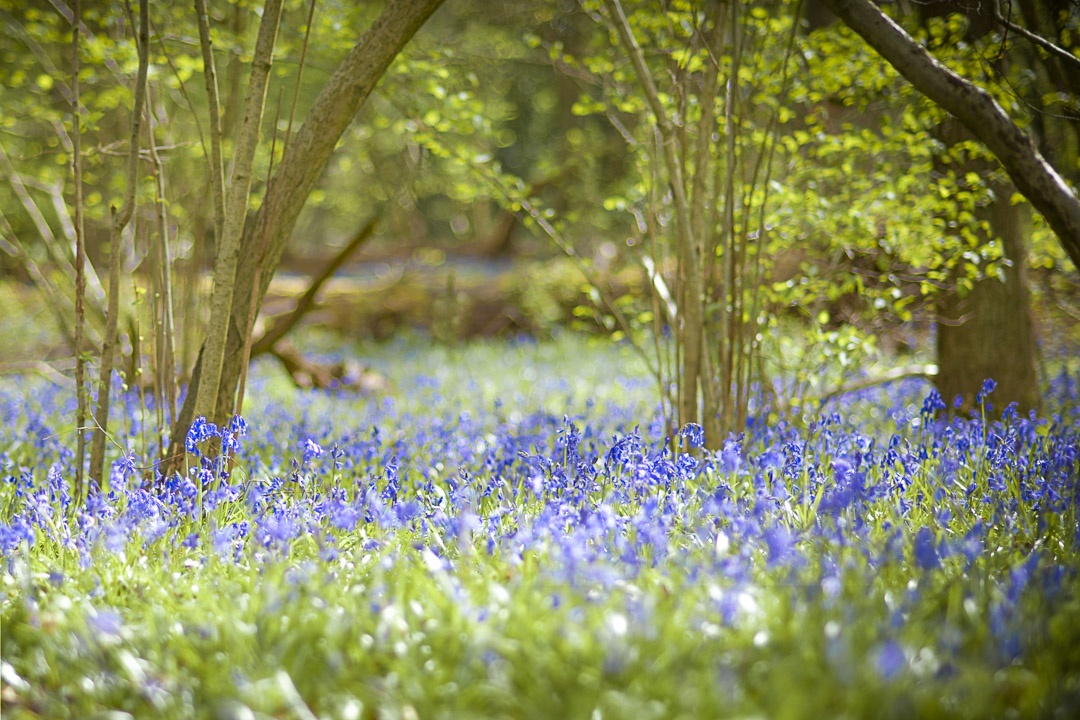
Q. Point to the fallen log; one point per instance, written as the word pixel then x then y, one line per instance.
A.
pixel 308 373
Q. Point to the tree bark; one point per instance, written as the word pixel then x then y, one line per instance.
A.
pixel 80 264
pixel 302 165
pixel 972 329
pixel 989 333
pixel 165 334
pixel 701 198
pixel 228 252
pixel 217 165
pixel 119 222
pixel 1033 176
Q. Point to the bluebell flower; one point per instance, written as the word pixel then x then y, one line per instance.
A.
pixel 926 554
pixel 694 435
pixel 105 623
pixel 311 449
pixel 238 426
pixel 230 442
pixel 779 542
pixel 685 465
pixel 731 457
pixel 124 467
pixel 199 432
pixel 932 403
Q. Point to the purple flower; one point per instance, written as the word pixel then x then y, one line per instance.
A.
pixel 926 555
pixel 686 465
pixel 730 457
pixel 312 449
pixel 199 432
pixel 694 435
pixel 932 403
pixel 779 542
pixel 889 660
pixel 238 426
pixel 105 623
pixel 230 443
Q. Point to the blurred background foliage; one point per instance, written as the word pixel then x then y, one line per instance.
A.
pixel 509 159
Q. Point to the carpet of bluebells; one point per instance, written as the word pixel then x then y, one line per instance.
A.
pixel 505 533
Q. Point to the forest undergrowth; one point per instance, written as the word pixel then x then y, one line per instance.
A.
pixel 505 533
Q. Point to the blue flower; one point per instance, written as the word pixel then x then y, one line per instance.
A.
pixel 199 432
pixel 312 449
pixel 105 623
pixel 926 555
pixel 694 434
pixel 889 660
pixel 932 403
pixel 779 542
pixel 238 426
pixel 230 442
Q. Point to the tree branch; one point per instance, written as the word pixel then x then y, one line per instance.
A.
pixel 1039 40
pixel 1033 176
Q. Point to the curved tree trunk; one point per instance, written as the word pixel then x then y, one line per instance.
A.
pixel 989 333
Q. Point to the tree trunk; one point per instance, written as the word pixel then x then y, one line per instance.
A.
pixel 691 295
pixel 217 165
pixel 303 163
pixel 228 251
pixel 119 222
pixel 989 333
pixel 80 264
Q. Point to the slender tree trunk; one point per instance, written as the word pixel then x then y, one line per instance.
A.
pixel 729 291
pixel 120 220
pixel 165 338
pixel 228 251
pixel 234 74
pixel 245 354
pixel 80 266
pixel 217 165
pixel 701 199
pixel 688 247
pixel 302 165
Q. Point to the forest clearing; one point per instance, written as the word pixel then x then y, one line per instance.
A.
pixel 581 358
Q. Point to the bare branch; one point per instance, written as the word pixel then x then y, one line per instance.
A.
pixel 1039 40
